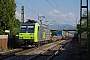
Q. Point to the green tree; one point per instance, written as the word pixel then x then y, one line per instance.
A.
pixel 53 33
pixel 16 27
pixel 7 15
pixel 84 22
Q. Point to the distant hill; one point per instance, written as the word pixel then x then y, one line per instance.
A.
pixel 62 26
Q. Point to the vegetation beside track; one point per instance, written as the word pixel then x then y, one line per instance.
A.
pixel 8 20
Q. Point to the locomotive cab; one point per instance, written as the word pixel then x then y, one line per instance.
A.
pixel 28 33
pixel 32 33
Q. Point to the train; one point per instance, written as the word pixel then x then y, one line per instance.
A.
pixel 62 35
pixel 33 33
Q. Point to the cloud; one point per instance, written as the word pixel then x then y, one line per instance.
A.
pixel 63 17
pixel 26 17
pixel 71 14
pixel 18 15
pixel 57 13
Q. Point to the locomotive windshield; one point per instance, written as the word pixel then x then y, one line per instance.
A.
pixel 23 27
pixel 31 29
pixel 27 28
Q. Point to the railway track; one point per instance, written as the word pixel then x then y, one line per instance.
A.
pixel 7 54
pixel 15 52
pixel 50 53
pixel 44 51
pixel 39 49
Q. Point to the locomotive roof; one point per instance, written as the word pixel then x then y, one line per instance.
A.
pixel 30 21
pixel 28 24
pixel 45 26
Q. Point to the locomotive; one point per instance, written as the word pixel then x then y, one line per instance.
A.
pixel 33 33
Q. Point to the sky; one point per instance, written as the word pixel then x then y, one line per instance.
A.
pixel 55 11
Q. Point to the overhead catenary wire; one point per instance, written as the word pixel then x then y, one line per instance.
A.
pixel 28 11
pixel 27 8
pixel 34 6
pixel 38 9
pixel 58 12
pixel 50 4
pixel 36 12
pixel 56 4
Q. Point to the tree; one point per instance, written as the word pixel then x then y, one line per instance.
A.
pixel 53 33
pixel 16 27
pixel 7 15
pixel 84 22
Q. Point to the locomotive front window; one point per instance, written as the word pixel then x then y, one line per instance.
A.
pixel 31 29
pixel 23 27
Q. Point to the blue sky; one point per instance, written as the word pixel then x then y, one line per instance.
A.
pixel 55 11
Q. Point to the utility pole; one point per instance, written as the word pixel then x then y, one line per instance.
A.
pixel 86 29
pixel 22 15
pixel 76 21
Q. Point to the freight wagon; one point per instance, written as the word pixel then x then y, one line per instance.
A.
pixel 63 34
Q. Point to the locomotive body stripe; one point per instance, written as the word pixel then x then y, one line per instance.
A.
pixel 43 35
